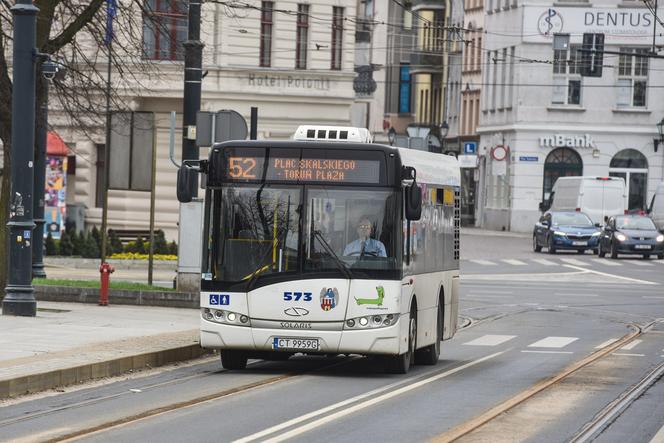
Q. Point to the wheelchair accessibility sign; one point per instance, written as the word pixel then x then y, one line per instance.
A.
pixel 220 299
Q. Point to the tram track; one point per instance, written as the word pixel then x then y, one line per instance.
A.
pixel 77 434
pixel 466 428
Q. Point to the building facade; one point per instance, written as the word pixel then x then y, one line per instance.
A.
pixel 471 89
pixel 296 68
pixel 541 119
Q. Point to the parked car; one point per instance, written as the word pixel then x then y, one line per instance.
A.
pixel 656 209
pixel 566 230
pixel 631 234
pixel 597 197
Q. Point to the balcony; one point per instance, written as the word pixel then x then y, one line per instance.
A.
pixel 427 5
pixel 426 62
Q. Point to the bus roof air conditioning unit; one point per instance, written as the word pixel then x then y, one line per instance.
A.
pixel 333 134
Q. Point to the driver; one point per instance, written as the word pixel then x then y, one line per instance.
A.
pixel 365 245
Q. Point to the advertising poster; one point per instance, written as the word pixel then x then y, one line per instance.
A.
pixel 54 195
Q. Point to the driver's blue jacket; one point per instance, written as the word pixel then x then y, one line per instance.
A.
pixel 372 247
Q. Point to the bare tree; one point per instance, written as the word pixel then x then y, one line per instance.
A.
pixel 73 32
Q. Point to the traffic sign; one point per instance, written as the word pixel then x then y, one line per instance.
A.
pixel 470 148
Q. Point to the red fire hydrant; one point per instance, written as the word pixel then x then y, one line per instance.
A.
pixel 105 270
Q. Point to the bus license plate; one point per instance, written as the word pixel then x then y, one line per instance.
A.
pixel 642 246
pixel 292 343
pixel 580 243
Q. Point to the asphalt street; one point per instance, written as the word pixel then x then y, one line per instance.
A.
pixel 526 321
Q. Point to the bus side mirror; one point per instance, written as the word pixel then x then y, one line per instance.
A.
pixel 183 188
pixel 413 202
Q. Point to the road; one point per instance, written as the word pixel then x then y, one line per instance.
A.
pixel 529 318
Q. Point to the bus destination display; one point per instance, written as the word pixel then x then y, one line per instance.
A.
pixel 306 169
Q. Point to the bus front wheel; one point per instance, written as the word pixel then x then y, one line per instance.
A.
pixel 232 359
pixel 400 364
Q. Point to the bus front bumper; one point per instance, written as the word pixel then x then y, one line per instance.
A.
pixel 387 340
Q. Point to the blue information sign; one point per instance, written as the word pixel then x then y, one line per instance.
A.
pixel 470 148
pixel 528 158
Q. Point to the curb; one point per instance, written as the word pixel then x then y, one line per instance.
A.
pixel 38 382
pixel 168 299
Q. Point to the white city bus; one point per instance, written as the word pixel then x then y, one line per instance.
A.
pixel 328 248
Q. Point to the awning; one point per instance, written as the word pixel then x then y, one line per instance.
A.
pixel 55 145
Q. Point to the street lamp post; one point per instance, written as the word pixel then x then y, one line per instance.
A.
pixel 48 70
pixel 20 294
pixel 660 130
pixel 444 130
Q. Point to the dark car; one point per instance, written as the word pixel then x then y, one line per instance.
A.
pixel 565 230
pixel 631 234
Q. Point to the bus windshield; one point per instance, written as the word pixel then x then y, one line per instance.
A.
pixel 350 228
pixel 261 230
pixel 258 233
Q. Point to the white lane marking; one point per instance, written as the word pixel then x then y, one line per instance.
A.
pixel 652 296
pixel 573 261
pixel 545 262
pixel 490 340
pixel 572 294
pixel 639 263
pixel 624 354
pixel 607 343
pixel 632 345
pixel 553 342
pixel 606 261
pixel 487 296
pixel 491 291
pixel 513 262
pixel 619 277
pixel 549 352
pixel 370 402
pixel 483 262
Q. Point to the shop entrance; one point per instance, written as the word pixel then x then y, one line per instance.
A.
pixel 632 166
pixel 561 162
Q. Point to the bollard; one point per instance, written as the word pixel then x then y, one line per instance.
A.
pixel 105 270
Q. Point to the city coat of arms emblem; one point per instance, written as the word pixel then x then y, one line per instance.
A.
pixel 329 297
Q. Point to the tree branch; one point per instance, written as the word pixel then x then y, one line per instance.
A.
pixel 67 35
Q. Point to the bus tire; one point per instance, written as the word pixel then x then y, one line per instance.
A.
pixel 431 354
pixel 232 359
pixel 400 364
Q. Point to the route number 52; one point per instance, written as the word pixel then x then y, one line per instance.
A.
pixel 241 167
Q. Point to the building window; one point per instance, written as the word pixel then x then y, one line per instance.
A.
pixel 407 18
pixel 337 36
pixel 405 85
pixel 302 39
pixel 164 29
pixel 266 34
pixel 99 192
pixel 567 75
pixel 632 78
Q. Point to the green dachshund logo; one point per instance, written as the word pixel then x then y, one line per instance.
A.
pixel 372 301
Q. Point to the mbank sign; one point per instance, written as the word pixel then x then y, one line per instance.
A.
pixel 568 141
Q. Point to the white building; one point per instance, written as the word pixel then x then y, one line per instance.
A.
pixel 296 68
pixel 550 120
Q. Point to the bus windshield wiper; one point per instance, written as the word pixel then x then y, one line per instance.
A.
pixel 343 267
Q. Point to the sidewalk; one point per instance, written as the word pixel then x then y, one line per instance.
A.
pixel 67 343
pixel 467 230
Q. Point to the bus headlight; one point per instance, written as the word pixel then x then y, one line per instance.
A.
pixel 225 317
pixel 372 321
